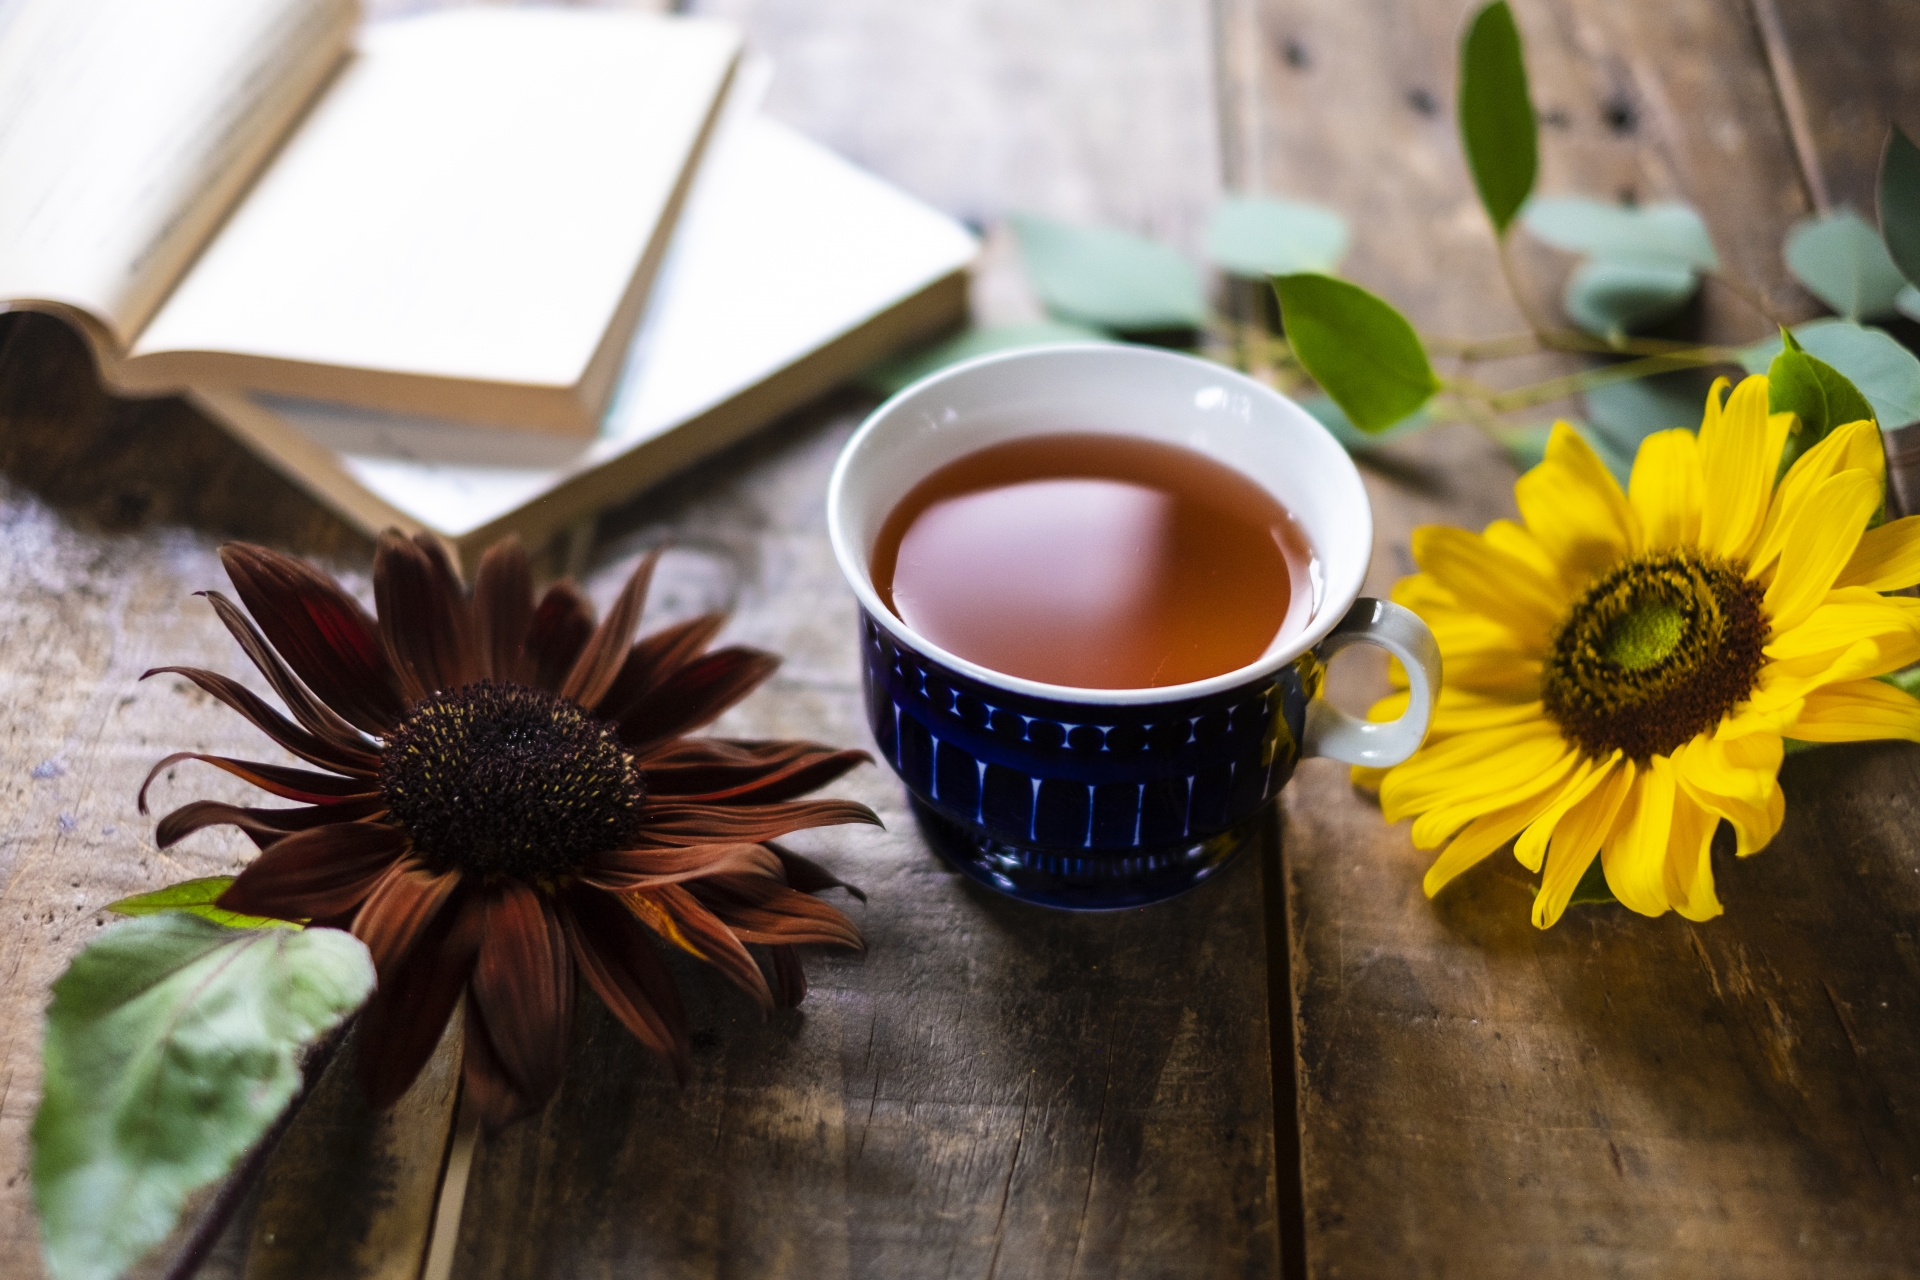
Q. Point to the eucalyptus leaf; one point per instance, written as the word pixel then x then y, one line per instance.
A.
pixel 195 898
pixel 891 375
pixel 1107 278
pixel 1842 262
pixel 1593 886
pixel 172 1044
pixel 1360 350
pixel 1611 299
pixel 1497 126
pixel 1329 415
pixel 1668 233
pixel 1907 302
pixel 1900 205
pixel 1882 370
pixel 1259 236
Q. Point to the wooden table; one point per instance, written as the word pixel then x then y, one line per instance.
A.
pixel 998 1091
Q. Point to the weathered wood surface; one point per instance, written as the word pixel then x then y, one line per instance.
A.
pixel 1618 1096
pixel 990 1090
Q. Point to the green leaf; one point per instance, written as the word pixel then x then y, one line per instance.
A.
pixel 1496 115
pixel 1259 236
pixel 1813 391
pixel 1612 299
pixel 1593 886
pixel 171 1046
pixel 1107 278
pixel 1906 681
pixel 1900 203
pixel 195 898
pixel 1907 302
pixel 1668 234
pixel 1360 350
pixel 1842 262
pixel 1883 371
pixel 1353 439
pixel 892 374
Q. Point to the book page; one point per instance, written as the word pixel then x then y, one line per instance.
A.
pixel 128 126
pixel 471 200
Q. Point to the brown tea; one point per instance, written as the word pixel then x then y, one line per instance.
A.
pixel 1095 561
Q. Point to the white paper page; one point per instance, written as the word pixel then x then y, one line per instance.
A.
pixel 783 247
pixel 470 200
pixel 127 125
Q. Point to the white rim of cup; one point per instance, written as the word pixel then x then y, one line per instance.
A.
pixel 854 571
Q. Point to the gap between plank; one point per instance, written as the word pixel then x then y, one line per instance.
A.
pixel 1290 1193
pixel 444 1234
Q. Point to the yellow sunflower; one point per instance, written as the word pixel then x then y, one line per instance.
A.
pixel 1621 668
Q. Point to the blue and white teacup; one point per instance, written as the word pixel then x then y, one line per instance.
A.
pixel 1105 798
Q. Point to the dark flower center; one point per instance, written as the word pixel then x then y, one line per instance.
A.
pixel 1657 650
pixel 503 779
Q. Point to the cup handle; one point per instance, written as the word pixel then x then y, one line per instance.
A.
pixel 1332 732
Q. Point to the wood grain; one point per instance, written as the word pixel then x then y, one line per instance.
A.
pixel 1617 1096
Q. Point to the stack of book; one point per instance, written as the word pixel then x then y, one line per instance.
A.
pixel 478 272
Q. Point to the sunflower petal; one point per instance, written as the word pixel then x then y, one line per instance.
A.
pixel 1577 837
pixel 1857 711
pixel 1846 617
pixel 808 876
pixel 789 978
pixel 1575 510
pixel 628 870
pixel 716 943
pixel 401 908
pixel 1739 456
pixel 1690 859
pixel 715 770
pixel 1469 766
pixel 314 715
pixel 1887 559
pixel 561 624
pixel 403 1022
pixel 275 779
pixel 653 660
pixel 605 652
pixel 503 611
pixel 1436 824
pixel 312 749
pixel 1490 582
pixel 322 874
pixel 1530 848
pixel 1666 489
pixel 486 1085
pixel 423 617
pixel 1485 835
pixel 614 954
pixel 1739 780
pixel 761 910
pixel 263 826
pixel 1818 545
pixel 523 989
pixel 1855 446
pixel 321 631
pixel 694 695
pixel 1634 856
pixel 685 824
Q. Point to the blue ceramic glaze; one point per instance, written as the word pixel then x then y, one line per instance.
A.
pixel 1086 806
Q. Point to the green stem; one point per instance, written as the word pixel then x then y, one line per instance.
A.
pixel 1587 379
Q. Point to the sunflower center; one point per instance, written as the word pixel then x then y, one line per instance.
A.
pixel 501 779
pixel 1657 650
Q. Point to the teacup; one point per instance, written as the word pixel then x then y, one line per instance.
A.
pixel 1097 799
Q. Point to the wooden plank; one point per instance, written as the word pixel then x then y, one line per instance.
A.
pixel 1617 1095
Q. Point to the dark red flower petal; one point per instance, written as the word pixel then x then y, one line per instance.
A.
pixel 713 770
pixel 676 823
pixel 709 938
pixel 278 779
pixel 651 662
pixel 762 910
pixel 606 649
pixel 789 979
pixel 617 959
pixel 316 875
pixel 423 617
pixel 561 624
pixel 400 909
pixel 315 716
pixel 808 876
pixel 404 1020
pixel 321 631
pixel 276 726
pixel 265 827
pixel 502 612
pixel 523 988
pixel 694 695
pixel 627 870
pixel 485 1084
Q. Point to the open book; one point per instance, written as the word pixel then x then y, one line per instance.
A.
pixel 456 214
pixel 790 271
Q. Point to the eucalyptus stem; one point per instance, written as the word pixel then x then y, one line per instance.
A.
pixel 1748 296
pixel 1588 379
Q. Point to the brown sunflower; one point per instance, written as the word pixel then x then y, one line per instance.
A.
pixel 509 806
